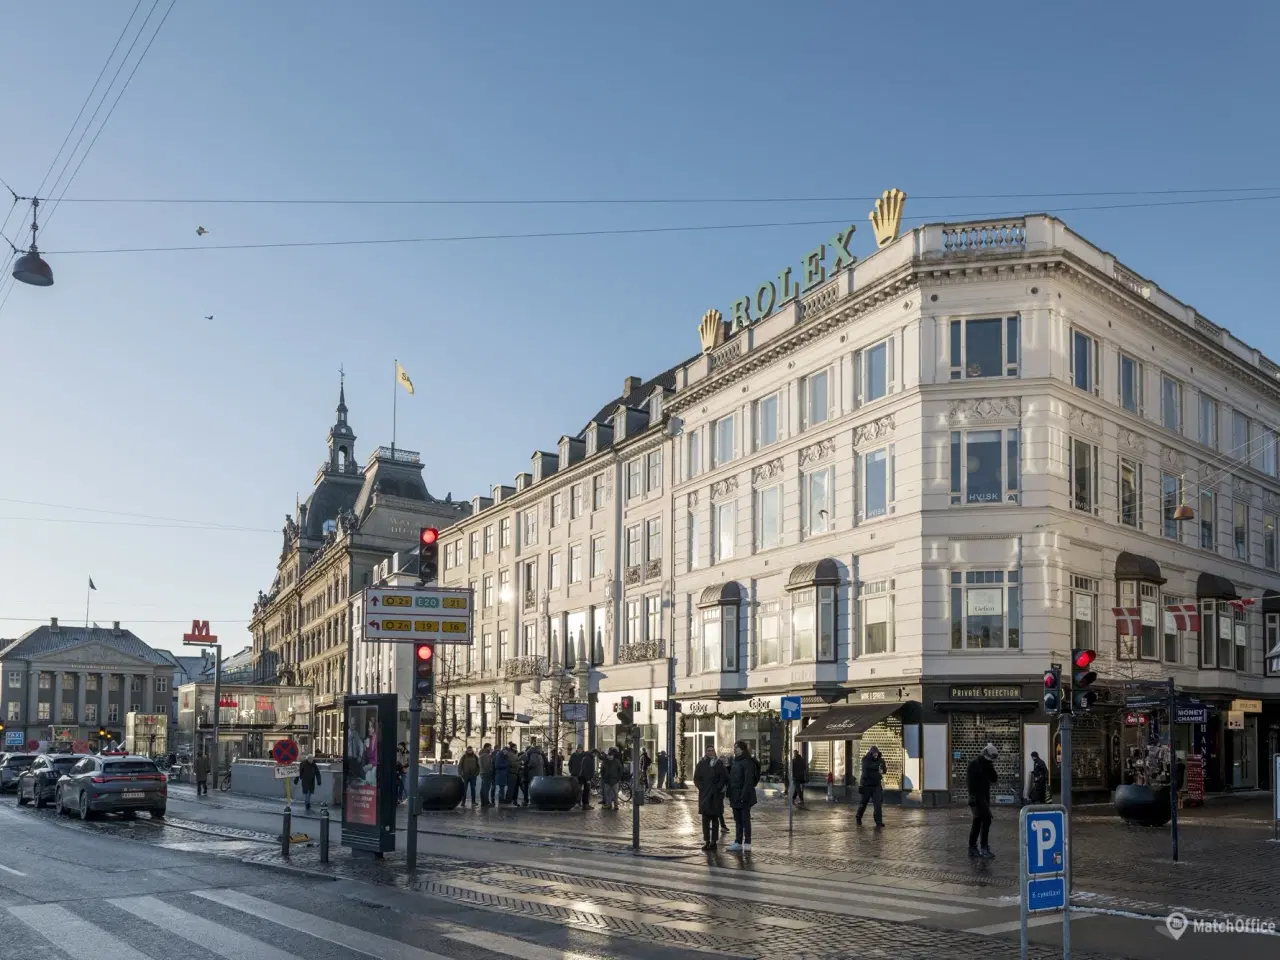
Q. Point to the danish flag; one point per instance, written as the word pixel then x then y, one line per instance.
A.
pixel 1128 620
pixel 1243 604
pixel 1186 616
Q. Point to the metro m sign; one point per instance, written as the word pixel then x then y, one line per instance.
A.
pixel 199 635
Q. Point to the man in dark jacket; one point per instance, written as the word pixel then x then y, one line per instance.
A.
pixel 469 770
pixel 982 774
pixel 744 774
pixel 586 773
pixel 871 785
pixel 501 775
pixel 1039 792
pixel 710 779
pixel 610 775
pixel 202 774
pixel 486 776
pixel 799 777
pixel 308 778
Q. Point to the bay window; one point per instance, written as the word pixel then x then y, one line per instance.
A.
pixel 877 483
pixel 1131 384
pixel 877 617
pixel 1272 641
pixel 986 610
pixel 1171 651
pixel 813 624
pixel 984 466
pixel 1242 641
pixel 718 616
pixel 768 517
pixel 818 497
pixel 875 371
pixel 984 348
pixel 1146 597
pixel 768 648
pixel 1083 468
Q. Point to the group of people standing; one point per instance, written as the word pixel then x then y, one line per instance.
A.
pixel 735 782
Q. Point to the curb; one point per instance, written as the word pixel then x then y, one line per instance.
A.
pixel 612 851
pixel 291 870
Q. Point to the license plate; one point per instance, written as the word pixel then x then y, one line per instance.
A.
pixel 133 795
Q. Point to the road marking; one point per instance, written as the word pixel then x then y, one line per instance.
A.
pixel 211 936
pixel 1014 926
pixel 16 873
pixel 507 946
pixel 370 944
pixel 76 937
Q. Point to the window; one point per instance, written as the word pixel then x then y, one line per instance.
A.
pixel 553 572
pixel 486 598
pixel 488 540
pixel 46 681
pixel 768 518
pixel 1239 436
pixel 161 708
pixel 504 588
pixel 1241 625
pixel 575 563
pixel 986 611
pixel 504 640
pixel 1240 523
pixel 1209 422
pixel 695 540
pixel 635 478
pixel 827 624
pixel 1269 541
pixel 113 712
pixel 1084 362
pixel 653 539
pixel 1170 500
pixel 530 527
pixel 597 556
pixel 68 712
pixel 876 371
pixel 767 421
pixel 1130 384
pixel 818 501
pixel 504 532
pixel 803 613
pixel 15 711
pixel 1084 476
pixel 694 454
pixel 1171 404
pixel 724 532
pixel 1208 526
pixel 877 617
pixel 15 680
pixel 1172 635
pixel 984 466
pixel 162 684
pixel 530 583
pixel 723 447
pixel 984 348
pixel 575 501
pixel 634 624
pixel 720 639
pixel 1084 613
pixel 633 546
pixel 597 491
pixel 768 648
pixel 815 399
pixel 474 551
pixel 654 469
pixel 528 639
pixel 877 483
pixel 653 617
pixel 1272 641
pixel 1130 492
pixel 1267 450
pixel 43 710
pixel 90 713
pixel 557 508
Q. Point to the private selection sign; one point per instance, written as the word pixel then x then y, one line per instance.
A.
pixel 418 614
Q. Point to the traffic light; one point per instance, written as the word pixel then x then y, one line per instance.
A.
pixel 428 554
pixel 627 711
pixel 1053 690
pixel 1082 677
pixel 424 670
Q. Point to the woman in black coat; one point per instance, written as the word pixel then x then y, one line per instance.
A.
pixel 711 779
pixel 744 774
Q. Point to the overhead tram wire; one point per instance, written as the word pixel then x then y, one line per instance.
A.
pixel 123 620
pixel 120 513
pixel 218 528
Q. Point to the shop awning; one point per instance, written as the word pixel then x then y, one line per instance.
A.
pixel 1210 586
pixel 847 723
pixel 721 595
pixel 1132 566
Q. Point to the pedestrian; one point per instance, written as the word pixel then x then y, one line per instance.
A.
pixel 514 763
pixel 1039 792
pixel 501 770
pixel 308 778
pixel 710 779
pixel 486 776
pixel 202 774
pixel 871 785
pixel 982 774
pixel 663 776
pixel 469 770
pixel 610 774
pixel 799 777
pixel 557 762
pixel 587 773
pixel 645 762
pixel 744 774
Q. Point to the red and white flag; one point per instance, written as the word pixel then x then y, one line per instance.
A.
pixel 1186 616
pixel 1128 620
pixel 1243 604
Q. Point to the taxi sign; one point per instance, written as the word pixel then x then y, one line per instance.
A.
pixel 417 615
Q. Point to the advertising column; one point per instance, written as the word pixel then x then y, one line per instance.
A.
pixel 368 774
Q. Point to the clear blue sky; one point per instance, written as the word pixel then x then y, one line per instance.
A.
pixel 117 395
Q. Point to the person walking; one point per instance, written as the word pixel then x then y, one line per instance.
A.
pixel 982 775
pixel 469 770
pixel 534 766
pixel 663 766
pixel 710 779
pixel 871 785
pixel 744 774
pixel 402 772
pixel 610 774
pixel 486 776
pixel 502 775
pixel 308 778
pixel 586 773
pixel 202 774
pixel 799 777
pixel 1039 792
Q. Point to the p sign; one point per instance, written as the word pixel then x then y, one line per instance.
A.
pixel 1045 836
pixel 1043 854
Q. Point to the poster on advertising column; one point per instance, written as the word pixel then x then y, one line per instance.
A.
pixel 368 771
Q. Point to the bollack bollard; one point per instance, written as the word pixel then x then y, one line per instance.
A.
pixel 324 833
pixel 288 829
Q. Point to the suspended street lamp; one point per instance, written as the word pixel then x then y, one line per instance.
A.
pixel 31 267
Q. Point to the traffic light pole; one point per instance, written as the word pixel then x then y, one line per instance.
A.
pixel 1065 729
pixel 415 733
pixel 216 760
pixel 637 792
pixel 1173 768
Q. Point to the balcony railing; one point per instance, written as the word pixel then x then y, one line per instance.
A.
pixel 642 651
pixel 530 600
pixel 1000 235
pixel 525 668
pixel 653 569
pixel 403 456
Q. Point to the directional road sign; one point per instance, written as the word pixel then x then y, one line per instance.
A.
pixel 790 708
pixel 286 771
pixel 418 615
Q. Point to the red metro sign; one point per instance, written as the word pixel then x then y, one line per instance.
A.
pixel 200 635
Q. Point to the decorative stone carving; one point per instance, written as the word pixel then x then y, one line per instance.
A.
pixel 985 408
pixel 1085 421
pixel 693 499
pixel 1243 488
pixel 722 488
pixel 1132 441
pixel 766 471
pixel 1173 459
pixel 818 451
pixel 873 431
pixel 632 576
pixel 1270 499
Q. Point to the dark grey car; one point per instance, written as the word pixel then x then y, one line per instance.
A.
pixel 113 784
pixel 11 767
pixel 39 781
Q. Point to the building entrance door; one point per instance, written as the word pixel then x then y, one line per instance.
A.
pixel 1244 755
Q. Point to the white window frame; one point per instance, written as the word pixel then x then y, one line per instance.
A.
pixel 695 539
pixel 1084 610
pixel 529 527
pixel 488 539
pixel 864 371
pixel 1010 467
pixel 598 492
pixel 1145 596
pixel 486 597
pixel 1009 585
pixel 1208 424
pixel 1176 405
pixel 874 593
pixel 1270 553
pixel 1209 516
pixel 1091 504
pixel 473 548
pixel 1136 466
pixel 653 617
pixel 635 478
pixel 597 557
pixel 653 472
pixel 763 539
pixel 1240 529
pixel 958 337
pixel 1170 500
pixel 725 518
pixel 113 713
pixel 633 546
pixel 653 539
pixel 1136 364
pixel 162 685
pixel 719 456
pixel 886 454
pixel 504 532
pixel 575 501
pixel 1170 629
pixel 693 454
pixel 575 563
pixel 768 620
pixel 818 383
pixel 634 622
pixel 815 507
pixel 1092 350
pixel 763 420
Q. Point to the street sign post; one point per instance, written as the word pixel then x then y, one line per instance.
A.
pixel 201 637
pixel 790 713
pixel 417 614
pixel 1044 872
pixel 285 754
pixel 286 772
pixel 1275 795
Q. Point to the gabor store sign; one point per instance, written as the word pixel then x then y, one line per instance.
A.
pixel 772 295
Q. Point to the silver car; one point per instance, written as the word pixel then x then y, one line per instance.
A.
pixel 11 767
pixel 112 784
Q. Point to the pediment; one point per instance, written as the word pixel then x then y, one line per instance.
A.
pixel 94 653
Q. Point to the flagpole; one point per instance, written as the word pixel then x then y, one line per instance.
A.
pixel 87 594
pixel 395 395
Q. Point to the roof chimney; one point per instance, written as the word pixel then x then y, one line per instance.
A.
pixel 115 627
pixel 53 623
pixel 630 385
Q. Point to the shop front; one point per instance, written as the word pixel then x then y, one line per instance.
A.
pixel 835 740
pixel 722 723
pixel 962 718
pixel 250 720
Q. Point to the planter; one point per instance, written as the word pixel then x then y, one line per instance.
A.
pixel 1143 805
pixel 555 793
pixel 439 791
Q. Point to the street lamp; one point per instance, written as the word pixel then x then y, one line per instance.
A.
pixel 31 268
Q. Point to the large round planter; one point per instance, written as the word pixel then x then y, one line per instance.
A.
pixel 440 791
pixel 1143 805
pixel 555 793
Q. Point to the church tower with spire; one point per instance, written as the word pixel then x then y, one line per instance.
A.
pixel 342 440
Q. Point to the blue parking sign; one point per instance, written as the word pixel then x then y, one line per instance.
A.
pixel 1045 841
pixel 790 708
pixel 1043 854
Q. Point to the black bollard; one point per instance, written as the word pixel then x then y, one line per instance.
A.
pixel 288 829
pixel 324 833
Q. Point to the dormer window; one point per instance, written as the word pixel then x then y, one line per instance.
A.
pixel 655 408
pixel 564 452
pixel 591 441
pixel 620 424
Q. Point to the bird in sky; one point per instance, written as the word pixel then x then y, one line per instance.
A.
pixel 209 317
pixel 201 231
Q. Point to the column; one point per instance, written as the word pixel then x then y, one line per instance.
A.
pixel 33 699
pixel 81 682
pixel 104 691
pixel 57 697
pixel 148 693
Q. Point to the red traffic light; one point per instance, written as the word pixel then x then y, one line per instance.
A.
pixel 430 535
pixel 1050 679
pixel 425 651
pixel 626 703
pixel 1084 658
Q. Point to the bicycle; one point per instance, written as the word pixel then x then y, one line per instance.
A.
pixel 225 782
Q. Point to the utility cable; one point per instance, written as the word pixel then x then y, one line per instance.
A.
pixel 221 528
pixel 121 513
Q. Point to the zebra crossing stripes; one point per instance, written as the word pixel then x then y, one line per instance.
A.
pixel 76 937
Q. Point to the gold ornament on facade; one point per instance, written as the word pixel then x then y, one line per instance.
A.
pixel 886 218
pixel 711 330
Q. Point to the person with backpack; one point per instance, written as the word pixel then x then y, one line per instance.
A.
pixel 1039 792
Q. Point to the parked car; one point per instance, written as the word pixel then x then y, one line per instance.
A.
pixel 112 784
pixel 38 783
pixel 11 767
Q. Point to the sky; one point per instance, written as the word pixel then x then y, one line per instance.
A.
pixel 135 431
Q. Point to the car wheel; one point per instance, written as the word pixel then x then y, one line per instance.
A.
pixel 57 801
pixel 22 801
pixel 37 794
pixel 85 812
